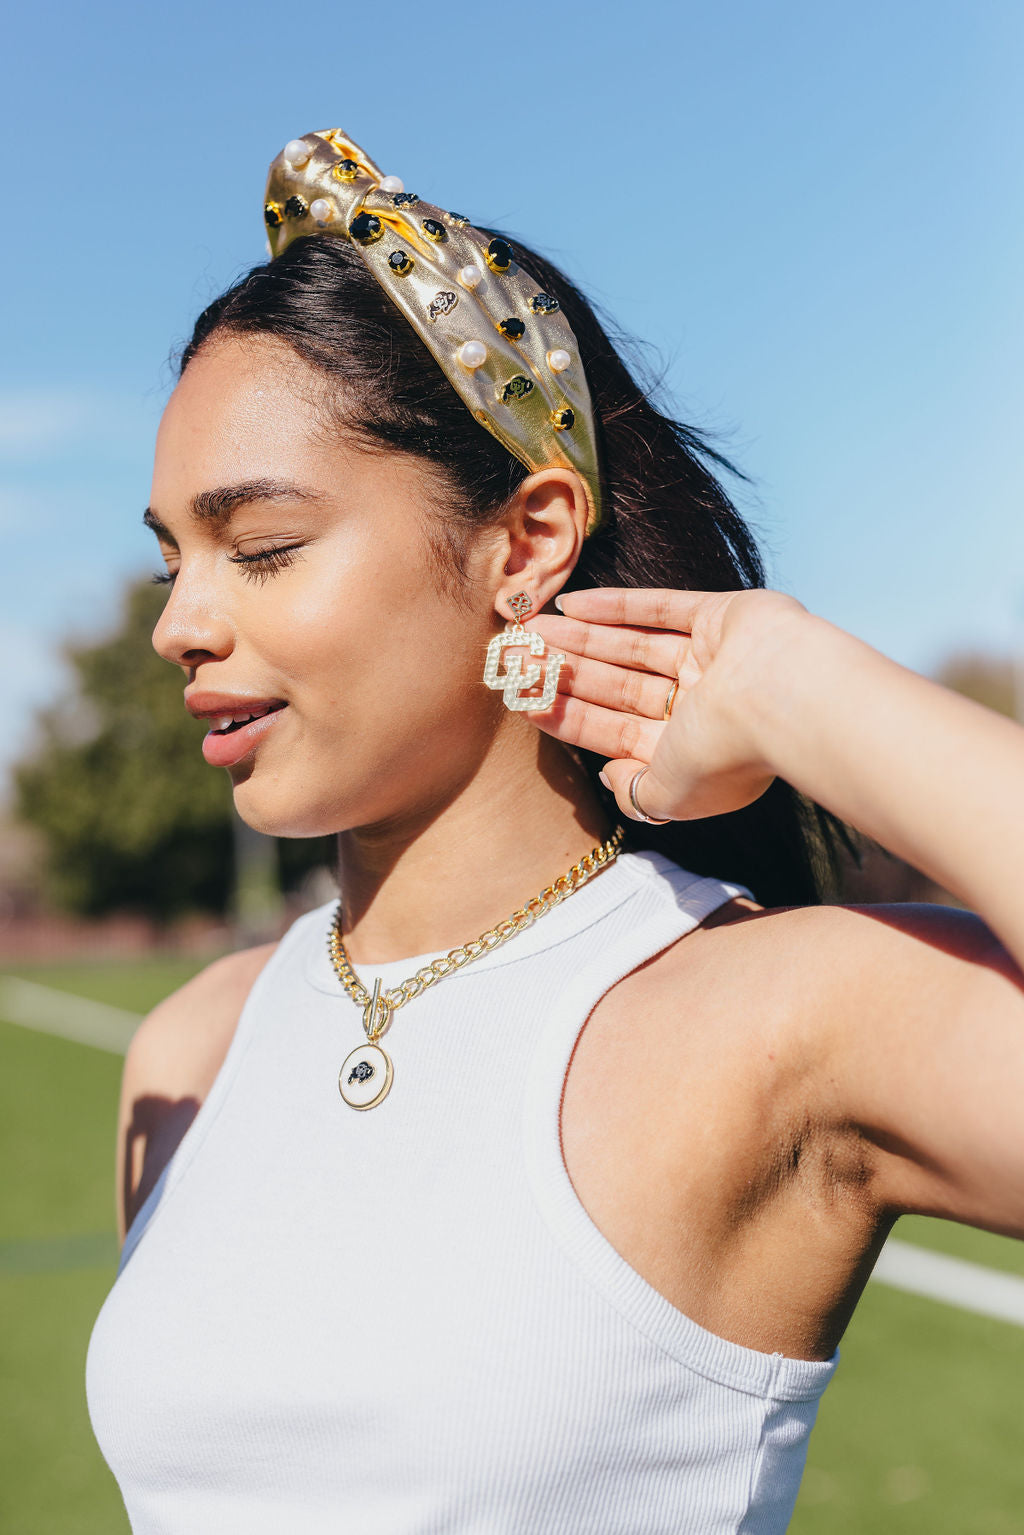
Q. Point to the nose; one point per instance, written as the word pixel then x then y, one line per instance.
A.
pixel 192 629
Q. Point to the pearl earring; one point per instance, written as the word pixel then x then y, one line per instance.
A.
pixel 514 680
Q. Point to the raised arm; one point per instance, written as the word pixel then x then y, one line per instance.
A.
pixel 923 1011
pixel 769 689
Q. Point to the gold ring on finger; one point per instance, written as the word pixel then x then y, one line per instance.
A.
pixel 670 700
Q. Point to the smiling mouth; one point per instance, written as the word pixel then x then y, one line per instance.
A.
pixel 226 724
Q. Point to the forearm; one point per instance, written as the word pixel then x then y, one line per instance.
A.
pixel 934 777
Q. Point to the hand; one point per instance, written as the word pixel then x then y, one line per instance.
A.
pixel 623 649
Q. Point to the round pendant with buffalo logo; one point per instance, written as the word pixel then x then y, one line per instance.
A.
pixel 365 1077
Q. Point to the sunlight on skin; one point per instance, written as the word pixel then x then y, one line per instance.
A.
pixel 410 774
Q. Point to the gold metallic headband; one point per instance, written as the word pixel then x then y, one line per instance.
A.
pixel 507 348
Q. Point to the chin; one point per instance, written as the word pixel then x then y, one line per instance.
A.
pixel 276 812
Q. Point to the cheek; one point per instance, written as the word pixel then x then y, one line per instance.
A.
pixel 386 642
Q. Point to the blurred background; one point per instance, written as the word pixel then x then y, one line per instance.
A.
pixel 809 216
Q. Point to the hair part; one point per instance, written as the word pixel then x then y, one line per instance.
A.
pixel 668 521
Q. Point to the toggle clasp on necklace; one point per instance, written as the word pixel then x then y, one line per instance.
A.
pixel 377 1014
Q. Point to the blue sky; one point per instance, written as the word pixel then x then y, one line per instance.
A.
pixel 811 212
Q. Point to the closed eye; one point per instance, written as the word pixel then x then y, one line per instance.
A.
pixel 258 566
pixel 264 563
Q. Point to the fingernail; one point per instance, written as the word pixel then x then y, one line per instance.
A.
pixel 558 604
pixel 604 778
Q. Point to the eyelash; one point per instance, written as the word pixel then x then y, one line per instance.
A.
pixel 266 562
pixel 259 566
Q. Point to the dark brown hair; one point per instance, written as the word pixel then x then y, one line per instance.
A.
pixel 668 519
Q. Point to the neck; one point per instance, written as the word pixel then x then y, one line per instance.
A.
pixel 438 876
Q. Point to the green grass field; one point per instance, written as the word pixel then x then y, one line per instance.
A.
pixel 921 1431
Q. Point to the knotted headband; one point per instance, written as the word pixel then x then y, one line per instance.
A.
pixel 506 347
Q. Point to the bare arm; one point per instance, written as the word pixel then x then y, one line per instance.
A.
pixel 916 1029
pixel 920 1034
pixel 929 1012
pixel 934 777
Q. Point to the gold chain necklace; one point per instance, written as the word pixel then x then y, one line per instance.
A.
pixel 366 1072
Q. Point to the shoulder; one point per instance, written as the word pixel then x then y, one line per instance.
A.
pixel 833 986
pixel 820 947
pixel 901 1024
pixel 170 1065
pixel 182 1042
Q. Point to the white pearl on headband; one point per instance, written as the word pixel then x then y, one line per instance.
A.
pixel 392 184
pixel 472 354
pixel 297 152
pixel 558 360
pixel 321 211
pixel 470 276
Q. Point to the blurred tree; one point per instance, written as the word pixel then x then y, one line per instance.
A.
pixel 130 814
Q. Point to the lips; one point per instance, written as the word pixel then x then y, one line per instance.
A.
pixel 237 724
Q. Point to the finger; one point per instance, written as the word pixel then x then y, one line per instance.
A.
pixel 651 649
pixel 649 792
pixel 615 687
pixel 598 729
pixel 663 607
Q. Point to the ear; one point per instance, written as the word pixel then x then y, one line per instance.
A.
pixel 545 525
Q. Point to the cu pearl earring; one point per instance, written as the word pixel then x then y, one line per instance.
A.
pixel 514 680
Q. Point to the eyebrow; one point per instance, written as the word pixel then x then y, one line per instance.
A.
pixel 216 507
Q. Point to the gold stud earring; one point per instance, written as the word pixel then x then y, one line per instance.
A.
pixel 514 680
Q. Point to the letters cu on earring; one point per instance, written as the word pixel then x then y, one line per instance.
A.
pixel 515 680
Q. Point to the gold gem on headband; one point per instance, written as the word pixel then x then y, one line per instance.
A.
pixel 506 348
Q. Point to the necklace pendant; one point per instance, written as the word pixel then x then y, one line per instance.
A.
pixel 367 1073
pixel 366 1076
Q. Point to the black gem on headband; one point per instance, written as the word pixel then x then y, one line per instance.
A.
pixel 514 329
pixel 405 199
pixel 543 303
pixel 563 420
pixel 399 262
pixel 296 207
pixel 459 220
pixel 346 170
pixel 433 230
pixel 498 255
pixel 365 227
pixel 273 215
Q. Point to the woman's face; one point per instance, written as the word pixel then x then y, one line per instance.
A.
pixel 303 591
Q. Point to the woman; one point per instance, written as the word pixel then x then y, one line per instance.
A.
pixel 583 1261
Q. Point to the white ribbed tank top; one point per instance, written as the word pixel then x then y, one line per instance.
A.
pixel 402 1321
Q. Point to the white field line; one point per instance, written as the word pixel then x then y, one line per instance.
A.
pixel 953 1281
pixel 50 1011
